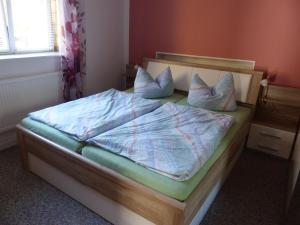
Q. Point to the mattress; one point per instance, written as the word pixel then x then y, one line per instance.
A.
pixel 176 97
pixel 52 134
pixel 179 190
pixel 66 141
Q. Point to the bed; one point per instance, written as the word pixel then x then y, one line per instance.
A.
pixel 125 193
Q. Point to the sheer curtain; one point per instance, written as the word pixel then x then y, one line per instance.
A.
pixel 72 46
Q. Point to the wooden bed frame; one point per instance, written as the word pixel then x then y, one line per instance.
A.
pixel 118 198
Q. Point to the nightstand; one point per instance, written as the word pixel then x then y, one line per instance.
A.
pixel 270 139
pixel 129 77
pixel 274 130
pixel 275 123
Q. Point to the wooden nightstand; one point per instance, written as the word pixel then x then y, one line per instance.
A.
pixel 276 122
pixel 275 129
pixel 267 138
pixel 129 77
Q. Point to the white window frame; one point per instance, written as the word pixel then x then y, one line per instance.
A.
pixel 4 19
pixel 10 33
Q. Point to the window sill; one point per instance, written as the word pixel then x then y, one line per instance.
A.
pixel 29 64
pixel 30 55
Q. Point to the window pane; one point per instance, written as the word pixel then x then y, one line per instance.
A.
pixel 32 25
pixel 3 29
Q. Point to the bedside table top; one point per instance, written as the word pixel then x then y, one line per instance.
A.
pixel 276 120
pixel 280 108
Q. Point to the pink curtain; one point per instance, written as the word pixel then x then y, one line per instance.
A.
pixel 72 47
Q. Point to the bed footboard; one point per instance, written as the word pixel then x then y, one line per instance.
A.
pixel 155 207
pixel 146 202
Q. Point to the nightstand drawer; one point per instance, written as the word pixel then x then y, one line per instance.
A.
pixel 271 140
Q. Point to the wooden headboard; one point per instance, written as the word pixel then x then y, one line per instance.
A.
pixel 247 82
pixel 206 60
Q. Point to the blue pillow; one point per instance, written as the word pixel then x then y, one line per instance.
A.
pixel 218 98
pixel 146 87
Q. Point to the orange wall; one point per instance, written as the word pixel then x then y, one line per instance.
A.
pixel 267 31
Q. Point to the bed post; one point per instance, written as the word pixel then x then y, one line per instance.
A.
pixel 23 149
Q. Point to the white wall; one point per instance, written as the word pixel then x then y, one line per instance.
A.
pixel 296 162
pixel 296 155
pixel 107 32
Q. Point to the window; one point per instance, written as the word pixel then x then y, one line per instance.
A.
pixel 27 26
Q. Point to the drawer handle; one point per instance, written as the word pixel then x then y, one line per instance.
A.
pixel 269 135
pixel 267 148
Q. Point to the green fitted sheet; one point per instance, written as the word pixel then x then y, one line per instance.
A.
pixel 52 134
pixel 175 189
pixel 176 97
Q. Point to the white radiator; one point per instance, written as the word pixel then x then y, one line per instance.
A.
pixel 19 96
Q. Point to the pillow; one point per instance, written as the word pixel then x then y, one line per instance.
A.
pixel 218 98
pixel 146 87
